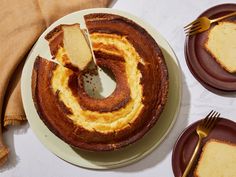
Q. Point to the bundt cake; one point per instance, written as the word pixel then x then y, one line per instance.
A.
pixel 132 55
pixel 221 44
pixel 218 159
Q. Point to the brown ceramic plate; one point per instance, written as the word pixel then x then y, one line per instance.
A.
pixel 224 130
pixel 202 65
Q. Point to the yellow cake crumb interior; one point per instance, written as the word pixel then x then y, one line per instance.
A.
pixel 106 121
pixel 218 159
pixel 221 44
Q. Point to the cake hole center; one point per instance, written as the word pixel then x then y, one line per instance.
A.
pixel 99 84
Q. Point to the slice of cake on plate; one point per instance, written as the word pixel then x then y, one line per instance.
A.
pixel 218 159
pixel 221 44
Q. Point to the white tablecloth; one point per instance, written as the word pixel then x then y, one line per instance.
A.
pixel 29 158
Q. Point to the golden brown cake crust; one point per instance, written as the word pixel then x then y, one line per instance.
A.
pixel 55 38
pixel 154 83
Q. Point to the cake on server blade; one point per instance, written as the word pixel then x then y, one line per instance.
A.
pixel 68 45
pixel 132 55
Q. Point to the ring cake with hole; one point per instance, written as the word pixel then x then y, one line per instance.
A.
pixel 136 61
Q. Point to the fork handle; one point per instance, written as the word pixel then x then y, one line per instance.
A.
pixel 193 158
pixel 223 17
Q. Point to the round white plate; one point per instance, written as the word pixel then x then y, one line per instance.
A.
pixel 103 160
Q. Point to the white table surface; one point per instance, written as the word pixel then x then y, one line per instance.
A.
pixel 29 158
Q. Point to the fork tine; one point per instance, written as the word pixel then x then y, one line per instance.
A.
pixel 203 121
pixel 193 30
pixel 194 22
pixel 211 119
pixel 206 119
pixel 192 26
pixel 208 115
pixel 192 33
pixel 214 121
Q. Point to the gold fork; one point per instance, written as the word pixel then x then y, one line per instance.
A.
pixel 203 129
pixel 202 24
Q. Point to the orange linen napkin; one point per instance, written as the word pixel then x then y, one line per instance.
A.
pixel 21 24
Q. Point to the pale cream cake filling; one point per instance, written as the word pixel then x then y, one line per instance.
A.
pixel 108 121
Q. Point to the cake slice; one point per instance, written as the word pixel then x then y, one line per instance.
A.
pixel 69 46
pixel 221 44
pixel 218 159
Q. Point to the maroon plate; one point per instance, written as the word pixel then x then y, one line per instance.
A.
pixel 202 65
pixel 224 130
pixel 208 87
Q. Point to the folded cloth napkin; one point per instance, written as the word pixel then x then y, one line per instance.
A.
pixel 21 24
